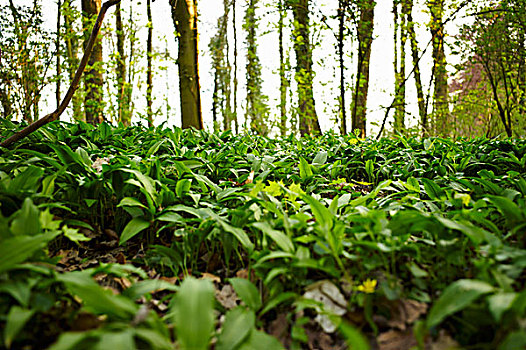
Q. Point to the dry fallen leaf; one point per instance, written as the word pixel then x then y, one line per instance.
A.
pixel 405 312
pixel 444 342
pixel 227 297
pixel 396 340
pixel 211 277
pixel 331 298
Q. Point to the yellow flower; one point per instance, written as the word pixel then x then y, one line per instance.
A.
pixel 368 286
pixel 274 188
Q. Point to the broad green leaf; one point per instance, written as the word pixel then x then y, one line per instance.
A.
pixel 281 239
pixel 239 233
pixel 131 202
pixel 182 187
pixel 456 297
pixel 134 227
pixel 514 341
pixel 432 189
pixel 239 322
pixel 280 298
pixel 70 341
pixel 27 220
pixel 259 340
pixel 155 339
pixel 476 234
pixel 247 292
pixel 305 169
pixel 73 235
pixel 95 298
pixel 27 180
pixel 323 216
pixel 116 340
pixel 320 159
pixel 154 148
pixel 141 288
pixel 17 250
pixel 509 210
pixel 194 314
pixel 369 169
pixel 354 339
pixel 500 303
pixel 16 320
pixel 412 184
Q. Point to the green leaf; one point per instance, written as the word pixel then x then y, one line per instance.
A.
pixel 432 189
pixel 17 250
pixel 320 159
pixel 73 235
pixel 154 148
pixel 155 339
pixel 70 340
pixel 95 298
pixel 16 320
pixel 194 314
pixel 261 341
pixel 27 220
pixel 282 240
pixel 239 233
pixel 27 180
pixel 239 322
pixel 500 303
pixel 182 187
pixel 323 216
pixel 509 210
pixel 412 184
pixel 116 340
pixel 305 169
pixel 476 234
pixel 134 227
pixel 456 297
pixel 247 292
pixel 354 339
pixel 131 202
pixel 141 288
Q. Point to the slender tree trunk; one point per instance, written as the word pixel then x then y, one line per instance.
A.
pixel 149 54
pixel 93 103
pixel 225 72
pixel 365 39
pixel 341 27
pixel 283 82
pixel 59 70
pixel 72 47
pixel 184 15
pixel 400 32
pixel 256 102
pixel 122 100
pixel 440 101
pixel 416 64
pixel 234 27
pixel 309 123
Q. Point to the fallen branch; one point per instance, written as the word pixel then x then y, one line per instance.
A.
pixel 74 84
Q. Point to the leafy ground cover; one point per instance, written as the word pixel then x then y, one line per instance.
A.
pixel 128 238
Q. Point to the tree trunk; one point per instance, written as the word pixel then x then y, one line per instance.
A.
pixel 283 82
pixel 234 27
pixel 416 64
pixel 72 47
pixel 341 27
pixel 59 71
pixel 93 103
pixel 257 110
pixel 440 101
pixel 365 39
pixel 400 32
pixel 184 15
pixel 122 96
pixel 309 123
pixel 149 53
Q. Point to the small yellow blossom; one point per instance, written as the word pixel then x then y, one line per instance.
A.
pixel 274 188
pixel 368 286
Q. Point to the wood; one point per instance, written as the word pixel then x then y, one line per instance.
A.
pixel 74 84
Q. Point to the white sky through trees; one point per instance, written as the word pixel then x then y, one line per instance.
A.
pixel 326 89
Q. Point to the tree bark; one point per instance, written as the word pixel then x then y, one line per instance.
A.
pixel 440 100
pixel 341 27
pixel 184 15
pixel 93 103
pixel 72 47
pixel 149 53
pixel 59 71
pixel 234 27
pixel 365 39
pixel 283 82
pixel 122 97
pixel 309 123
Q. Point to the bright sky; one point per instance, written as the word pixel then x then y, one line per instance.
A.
pixel 325 56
